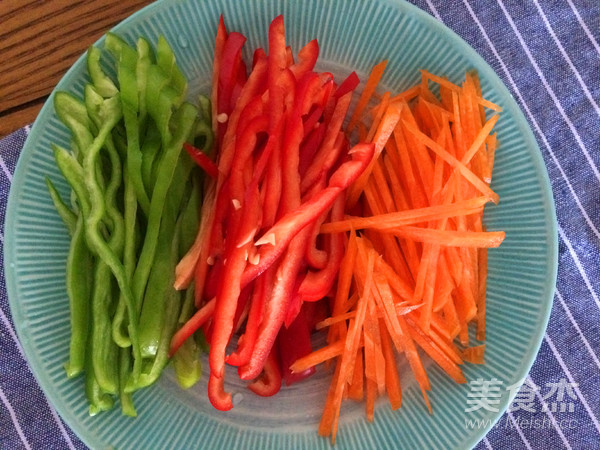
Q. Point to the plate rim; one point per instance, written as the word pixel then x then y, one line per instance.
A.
pixel 402 6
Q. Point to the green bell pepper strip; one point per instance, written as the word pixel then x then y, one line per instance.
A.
pixel 78 284
pixel 184 118
pixel 103 84
pixel 66 214
pixel 165 59
pixel 73 113
pixel 161 280
pixel 144 60
pixel 73 173
pixel 150 156
pixel 186 362
pixel 171 310
pixel 127 406
pixel 119 325
pixel 98 400
pixel 105 354
pixel 127 74
pixel 111 114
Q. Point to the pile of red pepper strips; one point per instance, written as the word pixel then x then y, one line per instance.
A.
pixel 283 164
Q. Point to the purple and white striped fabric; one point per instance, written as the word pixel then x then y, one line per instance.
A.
pixel 548 55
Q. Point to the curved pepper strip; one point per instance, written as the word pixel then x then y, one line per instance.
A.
pixel 246 342
pixel 227 302
pixel 269 382
pixel 316 285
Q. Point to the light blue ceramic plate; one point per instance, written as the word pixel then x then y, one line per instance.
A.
pixel 352 36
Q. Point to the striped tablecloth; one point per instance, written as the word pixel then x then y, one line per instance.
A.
pixel 548 54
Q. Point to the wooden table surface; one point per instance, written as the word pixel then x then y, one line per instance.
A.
pixel 39 41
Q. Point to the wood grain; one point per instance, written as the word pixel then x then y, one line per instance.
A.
pixel 39 41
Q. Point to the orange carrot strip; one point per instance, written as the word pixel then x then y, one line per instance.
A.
pixel 351 345
pixel 451 318
pixel 414 360
pixel 452 238
pixel 455 163
pixel 355 390
pixel 371 391
pixel 365 96
pixel 384 130
pixel 474 355
pixel 408 217
pixel 392 380
pixel 481 298
pixel 335 319
pixel 378 116
pixel 431 348
pixel 449 85
pixel 329 410
pixel 343 286
pixel 318 356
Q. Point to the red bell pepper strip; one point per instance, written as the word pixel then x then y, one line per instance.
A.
pixel 251 92
pixel 294 132
pixel 307 58
pixel 196 321
pixel 277 305
pixel 348 85
pixel 325 158
pixel 220 39
pixel 223 323
pixel 277 62
pixel 231 64
pixel 280 235
pixel 269 381
pixel 273 181
pixel 312 120
pixel 259 54
pixel 309 148
pixel 317 285
pixel 262 290
pixel 294 343
pixel 202 160
pixel 315 257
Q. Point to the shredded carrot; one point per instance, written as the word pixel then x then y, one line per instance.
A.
pixel 363 101
pixel 474 355
pixel 413 277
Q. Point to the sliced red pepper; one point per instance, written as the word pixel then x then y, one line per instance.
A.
pixel 220 40
pixel 325 158
pixel 294 343
pixel 259 54
pixel 317 285
pixel 231 65
pixel 269 381
pixel 316 258
pixel 273 181
pixel 310 146
pixel 262 290
pixel 227 300
pixel 348 85
pixel 202 160
pixel 307 58
pixel 277 62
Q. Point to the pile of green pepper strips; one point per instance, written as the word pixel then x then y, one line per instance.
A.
pixel 133 213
